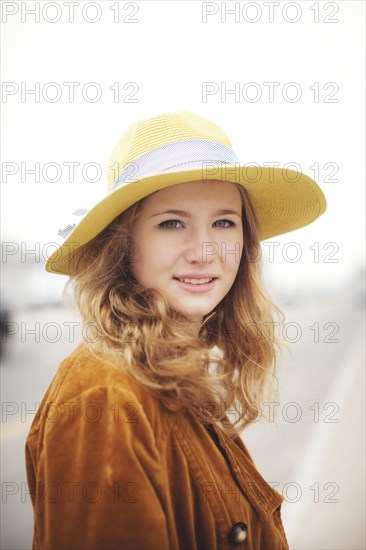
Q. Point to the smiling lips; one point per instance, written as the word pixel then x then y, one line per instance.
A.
pixel 201 279
pixel 195 281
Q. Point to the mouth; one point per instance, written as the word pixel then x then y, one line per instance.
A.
pixel 197 285
pixel 195 281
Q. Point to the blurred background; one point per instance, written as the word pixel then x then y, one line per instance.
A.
pixel 130 60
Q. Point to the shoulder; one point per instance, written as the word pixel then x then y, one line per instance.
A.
pixel 86 381
pixel 82 370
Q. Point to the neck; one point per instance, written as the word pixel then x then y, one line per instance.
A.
pixel 197 325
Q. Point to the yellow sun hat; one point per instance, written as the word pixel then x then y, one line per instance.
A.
pixel 179 147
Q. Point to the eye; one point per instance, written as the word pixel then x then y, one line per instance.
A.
pixel 164 226
pixel 232 224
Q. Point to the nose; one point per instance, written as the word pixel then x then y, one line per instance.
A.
pixel 201 246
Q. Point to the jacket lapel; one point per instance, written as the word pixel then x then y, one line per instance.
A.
pixel 264 498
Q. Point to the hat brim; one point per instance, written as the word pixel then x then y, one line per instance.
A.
pixel 283 199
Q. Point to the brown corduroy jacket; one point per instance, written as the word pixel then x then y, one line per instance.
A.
pixel 111 467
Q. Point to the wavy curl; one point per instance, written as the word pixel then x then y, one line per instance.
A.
pixel 229 365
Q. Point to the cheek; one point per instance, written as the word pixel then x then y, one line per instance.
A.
pixel 232 268
pixel 152 257
pixel 142 269
pixel 232 251
pixel 138 255
pixel 167 254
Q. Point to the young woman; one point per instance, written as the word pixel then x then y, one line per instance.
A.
pixel 132 446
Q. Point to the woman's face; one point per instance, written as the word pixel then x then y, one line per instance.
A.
pixel 201 240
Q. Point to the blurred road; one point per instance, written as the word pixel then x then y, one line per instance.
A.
pixel 313 451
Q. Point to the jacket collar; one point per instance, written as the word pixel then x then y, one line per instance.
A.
pixel 263 497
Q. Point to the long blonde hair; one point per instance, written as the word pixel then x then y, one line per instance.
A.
pixel 134 330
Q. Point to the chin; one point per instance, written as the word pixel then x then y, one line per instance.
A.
pixel 194 312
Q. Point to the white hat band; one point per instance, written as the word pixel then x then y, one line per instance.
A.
pixel 174 156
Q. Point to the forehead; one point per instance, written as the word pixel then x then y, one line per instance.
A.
pixel 193 192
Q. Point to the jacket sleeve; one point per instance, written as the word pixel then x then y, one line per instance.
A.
pixel 99 481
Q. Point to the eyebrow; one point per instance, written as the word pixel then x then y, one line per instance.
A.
pixel 221 212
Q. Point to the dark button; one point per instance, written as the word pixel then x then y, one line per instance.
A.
pixel 238 533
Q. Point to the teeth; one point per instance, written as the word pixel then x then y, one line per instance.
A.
pixel 196 281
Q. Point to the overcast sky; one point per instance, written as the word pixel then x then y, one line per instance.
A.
pixel 163 56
